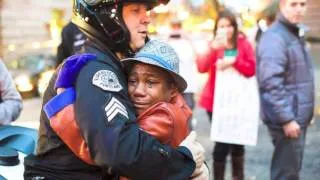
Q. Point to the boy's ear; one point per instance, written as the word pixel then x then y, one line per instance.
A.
pixel 174 92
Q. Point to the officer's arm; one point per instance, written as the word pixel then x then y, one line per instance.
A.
pixel 105 120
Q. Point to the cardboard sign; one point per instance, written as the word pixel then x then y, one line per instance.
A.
pixel 236 108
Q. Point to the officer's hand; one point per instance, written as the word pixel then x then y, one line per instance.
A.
pixel 291 129
pixel 201 173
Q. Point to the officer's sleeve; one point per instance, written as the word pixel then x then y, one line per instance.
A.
pixel 105 118
pixel 271 72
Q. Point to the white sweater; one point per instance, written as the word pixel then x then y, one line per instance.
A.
pixel 10 99
pixel 187 66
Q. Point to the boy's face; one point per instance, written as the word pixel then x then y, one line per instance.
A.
pixel 148 85
pixel 136 18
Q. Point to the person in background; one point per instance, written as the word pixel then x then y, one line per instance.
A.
pixel 287 90
pixel 227 40
pixel 72 39
pixel 262 25
pixel 103 111
pixel 10 99
pixel 187 68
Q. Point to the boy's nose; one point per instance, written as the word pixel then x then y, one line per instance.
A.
pixel 139 90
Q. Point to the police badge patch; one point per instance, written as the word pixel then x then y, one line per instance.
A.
pixel 106 80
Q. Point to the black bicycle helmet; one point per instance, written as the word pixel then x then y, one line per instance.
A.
pixel 102 19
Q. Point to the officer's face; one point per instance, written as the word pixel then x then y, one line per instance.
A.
pixel 149 85
pixel 293 10
pixel 136 18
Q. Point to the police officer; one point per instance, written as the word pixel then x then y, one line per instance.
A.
pixel 103 111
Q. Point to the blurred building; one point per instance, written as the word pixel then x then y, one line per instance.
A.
pixel 30 25
pixel 312 18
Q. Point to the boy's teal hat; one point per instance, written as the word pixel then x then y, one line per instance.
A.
pixel 160 54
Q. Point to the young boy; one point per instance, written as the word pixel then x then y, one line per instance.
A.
pixel 154 87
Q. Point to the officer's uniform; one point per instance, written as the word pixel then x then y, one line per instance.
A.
pixel 106 118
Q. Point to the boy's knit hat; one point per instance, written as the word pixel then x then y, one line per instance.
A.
pixel 160 54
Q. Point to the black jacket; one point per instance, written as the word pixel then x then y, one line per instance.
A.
pixel 285 75
pixel 72 39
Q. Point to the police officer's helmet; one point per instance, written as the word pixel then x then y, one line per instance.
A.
pixel 102 19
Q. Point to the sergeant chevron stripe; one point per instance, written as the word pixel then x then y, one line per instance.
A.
pixel 114 107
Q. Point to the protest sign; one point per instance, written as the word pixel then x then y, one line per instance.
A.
pixel 236 108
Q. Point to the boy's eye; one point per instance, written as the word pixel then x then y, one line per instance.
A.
pixel 150 83
pixel 132 81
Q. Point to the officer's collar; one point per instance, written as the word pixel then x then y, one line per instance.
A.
pixel 102 52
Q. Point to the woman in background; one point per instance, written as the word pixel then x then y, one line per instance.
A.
pixel 227 41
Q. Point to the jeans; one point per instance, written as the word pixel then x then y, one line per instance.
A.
pixel 287 155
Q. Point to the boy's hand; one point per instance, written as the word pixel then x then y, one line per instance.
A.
pixel 69 71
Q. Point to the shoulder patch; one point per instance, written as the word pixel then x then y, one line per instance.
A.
pixel 106 80
pixel 115 107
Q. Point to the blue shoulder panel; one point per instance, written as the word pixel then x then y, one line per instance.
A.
pixel 59 102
